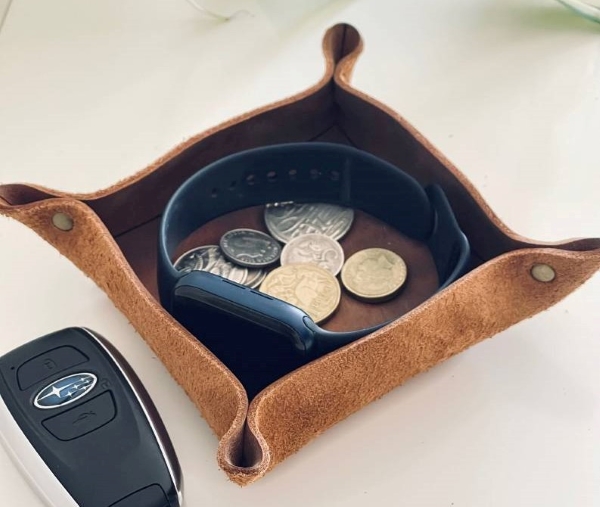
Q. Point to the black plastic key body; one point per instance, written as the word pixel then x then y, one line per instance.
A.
pixel 77 419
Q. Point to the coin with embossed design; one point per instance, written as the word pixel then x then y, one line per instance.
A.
pixel 209 258
pixel 316 249
pixel 250 248
pixel 311 288
pixel 255 277
pixel 289 220
pixel 374 274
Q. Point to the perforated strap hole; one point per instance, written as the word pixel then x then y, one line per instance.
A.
pixel 292 173
pixel 250 179
pixel 314 174
pixel 271 176
pixel 215 192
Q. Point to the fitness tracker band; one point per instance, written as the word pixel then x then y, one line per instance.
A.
pixel 300 172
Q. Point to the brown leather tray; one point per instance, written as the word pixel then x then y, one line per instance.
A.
pixel 111 236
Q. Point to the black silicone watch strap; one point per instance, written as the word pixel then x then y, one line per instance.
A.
pixel 313 172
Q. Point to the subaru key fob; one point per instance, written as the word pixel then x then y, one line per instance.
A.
pixel 77 420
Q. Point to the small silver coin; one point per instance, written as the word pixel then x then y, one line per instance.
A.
pixel 255 277
pixel 287 221
pixel 250 248
pixel 209 258
pixel 316 249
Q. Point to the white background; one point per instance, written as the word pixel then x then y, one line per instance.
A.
pixel 92 91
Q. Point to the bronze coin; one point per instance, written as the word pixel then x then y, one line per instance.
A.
pixel 374 274
pixel 311 288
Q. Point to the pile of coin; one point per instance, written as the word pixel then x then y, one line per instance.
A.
pixel 310 259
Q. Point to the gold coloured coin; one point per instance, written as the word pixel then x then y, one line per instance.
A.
pixel 311 288
pixel 374 274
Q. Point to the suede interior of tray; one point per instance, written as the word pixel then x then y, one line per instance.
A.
pixel 139 246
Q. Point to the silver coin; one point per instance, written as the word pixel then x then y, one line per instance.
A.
pixel 287 221
pixel 316 249
pixel 255 277
pixel 250 248
pixel 209 258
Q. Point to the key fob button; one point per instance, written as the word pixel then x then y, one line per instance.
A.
pixel 152 496
pixel 45 365
pixel 82 419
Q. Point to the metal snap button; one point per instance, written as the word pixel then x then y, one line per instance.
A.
pixel 62 221
pixel 543 273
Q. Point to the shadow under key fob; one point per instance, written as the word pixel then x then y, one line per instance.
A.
pixel 79 423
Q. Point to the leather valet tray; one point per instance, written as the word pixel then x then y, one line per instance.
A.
pixel 111 236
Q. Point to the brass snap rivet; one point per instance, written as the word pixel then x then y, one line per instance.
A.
pixel 62 221
pixel 543 273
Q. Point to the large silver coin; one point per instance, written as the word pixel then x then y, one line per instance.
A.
pixel 209 258
pixel 250 248
pixel 316 249
pixel 288 220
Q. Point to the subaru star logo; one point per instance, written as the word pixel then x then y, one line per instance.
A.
pixel 65 390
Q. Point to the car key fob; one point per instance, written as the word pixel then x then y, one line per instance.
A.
pixel 78 421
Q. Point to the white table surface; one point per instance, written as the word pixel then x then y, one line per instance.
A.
pixel 92 91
